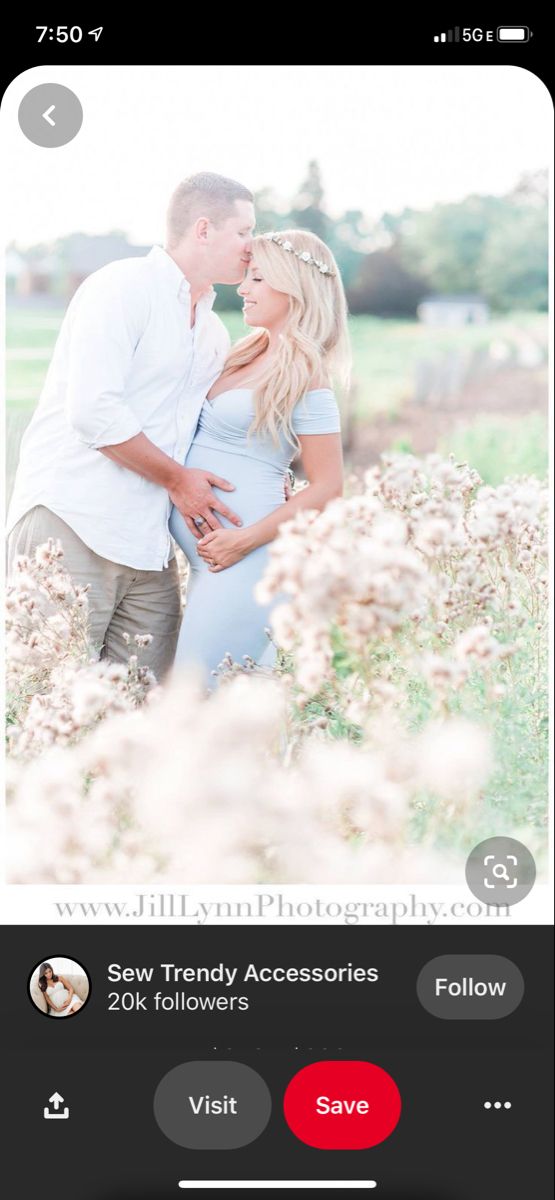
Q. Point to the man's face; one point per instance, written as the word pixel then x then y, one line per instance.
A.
pixel 231 244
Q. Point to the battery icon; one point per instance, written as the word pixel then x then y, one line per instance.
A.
pixel 513 33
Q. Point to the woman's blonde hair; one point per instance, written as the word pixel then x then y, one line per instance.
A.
pixel 314 343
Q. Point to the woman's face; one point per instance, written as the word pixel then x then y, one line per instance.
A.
pixel 49 973
pixel 262 305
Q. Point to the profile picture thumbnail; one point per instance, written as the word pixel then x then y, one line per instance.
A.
pixel 59 987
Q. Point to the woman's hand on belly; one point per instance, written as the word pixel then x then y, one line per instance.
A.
pixel 222 548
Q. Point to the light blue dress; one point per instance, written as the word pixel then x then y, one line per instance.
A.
pixel 222 615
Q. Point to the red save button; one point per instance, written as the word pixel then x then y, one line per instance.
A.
pixel 342 1105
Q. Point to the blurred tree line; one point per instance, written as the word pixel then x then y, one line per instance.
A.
pixel 495 246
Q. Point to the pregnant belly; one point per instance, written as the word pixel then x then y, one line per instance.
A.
pixel 59 996
pixel 258 486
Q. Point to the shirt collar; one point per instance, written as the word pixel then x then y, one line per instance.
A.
pixel 175 275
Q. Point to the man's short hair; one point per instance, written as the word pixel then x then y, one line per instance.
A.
pixel 202 195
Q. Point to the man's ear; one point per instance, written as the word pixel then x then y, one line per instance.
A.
pixel 202 228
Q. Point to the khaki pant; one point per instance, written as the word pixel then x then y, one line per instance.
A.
pixel 121 599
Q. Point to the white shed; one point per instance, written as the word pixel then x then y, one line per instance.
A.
pixel 460 308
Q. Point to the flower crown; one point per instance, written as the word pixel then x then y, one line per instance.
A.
pixel 302 254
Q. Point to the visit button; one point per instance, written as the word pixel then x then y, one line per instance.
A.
pixel 348 1105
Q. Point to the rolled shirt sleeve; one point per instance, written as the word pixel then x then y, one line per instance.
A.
pixel 107 321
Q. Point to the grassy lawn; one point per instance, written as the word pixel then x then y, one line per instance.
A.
pixel 386 355
pixel 498 446
pixel 385 352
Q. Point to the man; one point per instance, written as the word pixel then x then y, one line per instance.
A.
pixel 101 460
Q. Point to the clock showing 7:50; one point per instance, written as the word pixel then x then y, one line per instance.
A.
pixel 65 33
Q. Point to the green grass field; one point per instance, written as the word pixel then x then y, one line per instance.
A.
pixel 386 356
pixel 385 352
pixel 499 446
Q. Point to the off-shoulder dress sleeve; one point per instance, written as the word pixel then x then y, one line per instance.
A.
pixel 317 412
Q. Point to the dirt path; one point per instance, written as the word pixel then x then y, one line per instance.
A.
pixel 506 393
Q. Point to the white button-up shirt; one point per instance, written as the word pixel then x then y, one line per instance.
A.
pixel 126 361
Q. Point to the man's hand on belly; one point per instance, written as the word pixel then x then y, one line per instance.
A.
pixel 191 492
pixel 190 489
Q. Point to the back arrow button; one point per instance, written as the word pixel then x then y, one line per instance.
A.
pixel 36 115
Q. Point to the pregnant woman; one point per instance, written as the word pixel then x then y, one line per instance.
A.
pixel 272 401
pixel 60 997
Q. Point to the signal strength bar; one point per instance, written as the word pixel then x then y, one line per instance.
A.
pixel 452 35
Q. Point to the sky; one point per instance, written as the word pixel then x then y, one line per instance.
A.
pixel 384 136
